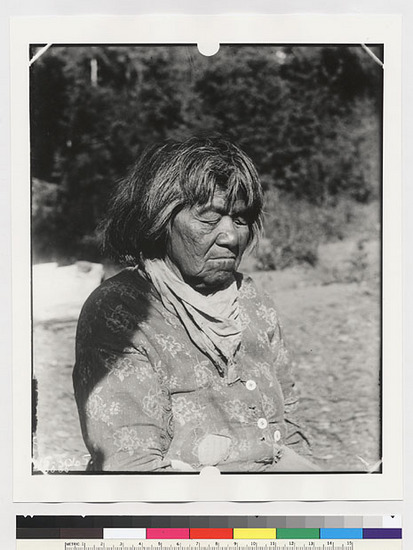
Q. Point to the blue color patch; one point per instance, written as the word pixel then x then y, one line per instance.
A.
pixel 341 534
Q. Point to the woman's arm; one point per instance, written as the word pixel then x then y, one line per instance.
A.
pixel 296 439
pixel 125 411
pixel 292 462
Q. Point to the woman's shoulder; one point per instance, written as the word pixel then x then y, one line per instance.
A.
pixel 249 290
pixel 128 288
pixel 257 302
pixel 116 310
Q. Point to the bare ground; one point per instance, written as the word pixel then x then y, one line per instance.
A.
pixel 334 334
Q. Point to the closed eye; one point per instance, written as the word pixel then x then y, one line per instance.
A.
pixel 240 220
pixel 210 220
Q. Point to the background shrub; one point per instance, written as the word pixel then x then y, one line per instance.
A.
pixel 309 116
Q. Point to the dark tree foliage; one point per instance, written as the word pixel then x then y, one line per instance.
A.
pixel 293 109
pixel 309 116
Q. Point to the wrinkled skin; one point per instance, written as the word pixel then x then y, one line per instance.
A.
pixel 207 242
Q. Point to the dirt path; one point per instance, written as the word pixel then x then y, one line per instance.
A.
pixel 334 333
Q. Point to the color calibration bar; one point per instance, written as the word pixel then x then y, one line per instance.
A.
pixel 96 524
pixel 212 533
pixel 250 534
pixel 209 534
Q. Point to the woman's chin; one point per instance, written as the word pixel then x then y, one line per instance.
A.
pixel 213 283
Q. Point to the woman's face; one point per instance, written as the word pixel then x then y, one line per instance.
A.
pixel 207 242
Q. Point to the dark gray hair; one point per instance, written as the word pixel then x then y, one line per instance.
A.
pixel 168 177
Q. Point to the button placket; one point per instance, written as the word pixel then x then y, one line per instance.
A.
pixel 262 423
pixel 251 385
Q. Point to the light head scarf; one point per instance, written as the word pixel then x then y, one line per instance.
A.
pixel 212 321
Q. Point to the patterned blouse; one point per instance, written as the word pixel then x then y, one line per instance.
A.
pixel 148 397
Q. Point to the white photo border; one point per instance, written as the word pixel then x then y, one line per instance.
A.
pixel 208 31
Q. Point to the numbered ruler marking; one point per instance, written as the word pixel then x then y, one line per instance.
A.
pixel 261 545
pixel 191 544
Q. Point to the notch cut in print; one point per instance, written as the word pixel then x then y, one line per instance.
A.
pixel 208 48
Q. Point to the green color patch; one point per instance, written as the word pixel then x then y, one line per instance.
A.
pixel 298 534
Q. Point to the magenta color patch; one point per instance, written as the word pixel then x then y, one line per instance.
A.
pixel 167 533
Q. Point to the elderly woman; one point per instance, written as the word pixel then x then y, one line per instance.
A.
pixel 180 361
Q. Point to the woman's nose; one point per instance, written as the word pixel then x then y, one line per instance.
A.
pixel 228 235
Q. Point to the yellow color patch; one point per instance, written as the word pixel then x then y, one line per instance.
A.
pixel 254 533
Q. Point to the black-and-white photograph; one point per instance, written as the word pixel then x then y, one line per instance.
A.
pixel 206 236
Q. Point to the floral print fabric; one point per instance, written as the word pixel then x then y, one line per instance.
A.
pixel 148 398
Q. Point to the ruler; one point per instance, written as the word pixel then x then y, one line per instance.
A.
pixel 108 544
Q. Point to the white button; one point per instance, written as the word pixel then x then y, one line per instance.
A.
pixel 277 435
pixel 251 385
pixel 262 423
